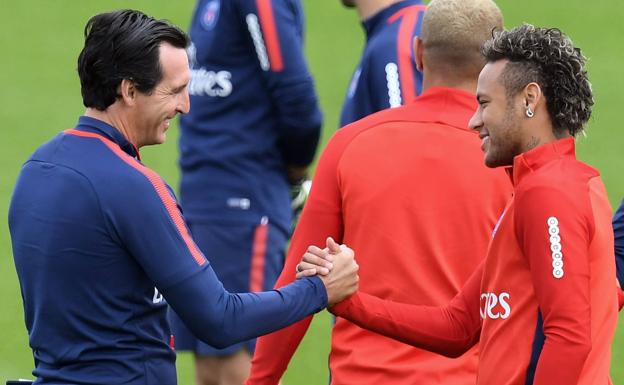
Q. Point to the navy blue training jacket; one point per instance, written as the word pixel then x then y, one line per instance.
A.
pixel 99 242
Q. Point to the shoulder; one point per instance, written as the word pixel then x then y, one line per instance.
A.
pixel 113 173
pixel 373 121
pixel 560 189
pixel 566 176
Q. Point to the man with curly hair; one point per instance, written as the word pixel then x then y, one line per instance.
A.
pixel 543 304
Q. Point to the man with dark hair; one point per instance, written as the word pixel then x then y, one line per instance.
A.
pixel 390 176
pixel 386 76
pixel 99 240
pixel 245 146
pixel 542 306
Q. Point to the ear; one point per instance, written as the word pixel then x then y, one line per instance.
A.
pixel 127 91
pixel 532 95
pixel 418 53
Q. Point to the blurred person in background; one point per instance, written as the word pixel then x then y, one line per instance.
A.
pixel 386 75
pixel 245 148
pixel 618 231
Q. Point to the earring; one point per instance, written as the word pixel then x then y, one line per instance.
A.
pixel 529 112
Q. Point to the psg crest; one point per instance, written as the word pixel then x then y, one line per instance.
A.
pixel 210 15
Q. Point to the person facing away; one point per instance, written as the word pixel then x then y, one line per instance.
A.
pixel 542 306
pixel 386 75
pixel 98 238
pixel 249 137
pixel 388 177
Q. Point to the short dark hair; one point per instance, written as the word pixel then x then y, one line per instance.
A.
pixel 123 45
pixel 547 57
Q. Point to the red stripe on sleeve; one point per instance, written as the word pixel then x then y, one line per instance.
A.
pixel 258 257
pixel 160 188
pixel 405 58
pixel 271 38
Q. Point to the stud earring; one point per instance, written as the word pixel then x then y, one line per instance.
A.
pixel 529 112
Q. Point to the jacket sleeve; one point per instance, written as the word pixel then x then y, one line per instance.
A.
pixel 276 31
pixel 321 217
pixel 449 330
pixel 554 231
pixel 150 225
pixel 220 318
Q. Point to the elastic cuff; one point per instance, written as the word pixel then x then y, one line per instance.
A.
pixel 343 307
pixel 320 289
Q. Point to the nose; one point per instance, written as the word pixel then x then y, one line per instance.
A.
pixel 476 122
pixel 184 104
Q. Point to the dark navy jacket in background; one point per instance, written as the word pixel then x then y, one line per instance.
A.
pixel 94 232
pixel 386 75
pixel 254 110
pixel 618 230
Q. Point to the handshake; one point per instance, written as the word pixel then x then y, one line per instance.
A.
pixel 336 267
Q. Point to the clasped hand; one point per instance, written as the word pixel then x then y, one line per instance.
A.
pixel 336 267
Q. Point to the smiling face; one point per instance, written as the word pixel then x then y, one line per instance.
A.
pixel 153 112
pixel 498 119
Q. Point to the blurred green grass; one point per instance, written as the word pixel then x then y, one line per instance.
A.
pixel 39 94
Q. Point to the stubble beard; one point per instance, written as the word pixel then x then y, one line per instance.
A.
pixel 507 143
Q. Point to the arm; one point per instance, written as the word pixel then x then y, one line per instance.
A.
pixel 618 232
pixel 149 224
pixel 276 29
pixel 221 319
pixel 562 291
pixel 321 217
pixel 450 330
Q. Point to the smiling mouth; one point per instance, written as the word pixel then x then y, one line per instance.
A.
pixel 485 139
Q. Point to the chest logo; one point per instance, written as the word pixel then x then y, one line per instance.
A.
pixel 494 306
pixel 555 247
pixel 210 83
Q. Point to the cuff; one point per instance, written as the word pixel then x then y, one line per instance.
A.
pixel 320 289
pixel 342 308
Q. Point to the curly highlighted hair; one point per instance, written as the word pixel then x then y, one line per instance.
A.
pixel 547 57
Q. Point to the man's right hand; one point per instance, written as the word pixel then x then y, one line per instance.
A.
pixel 336 267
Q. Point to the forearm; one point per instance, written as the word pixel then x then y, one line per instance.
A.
pixel 448 330
pixel 222 319
pixel 442 330
pixel 300 122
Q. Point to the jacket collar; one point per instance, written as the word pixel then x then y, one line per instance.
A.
pixel 372 24
pixel 448 106
pixel 88 124
pixel 532 160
